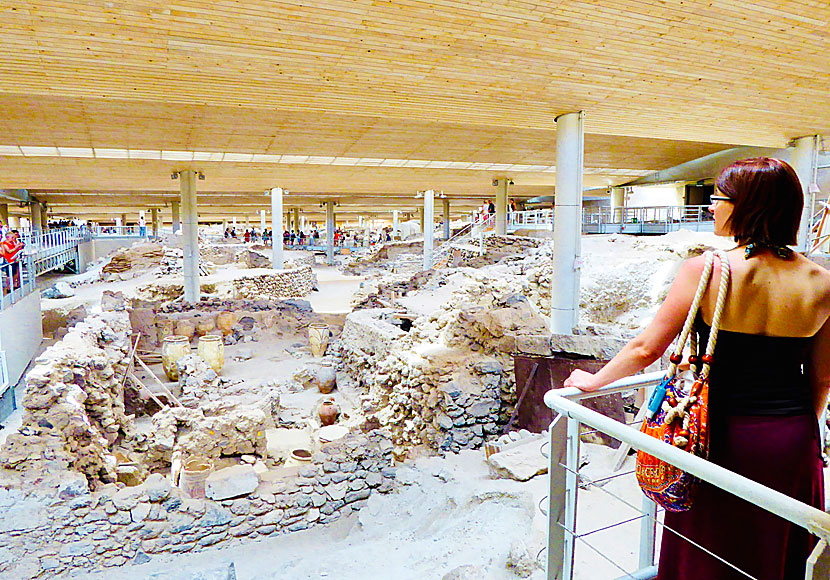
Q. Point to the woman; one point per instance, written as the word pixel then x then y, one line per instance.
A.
pixel 768 383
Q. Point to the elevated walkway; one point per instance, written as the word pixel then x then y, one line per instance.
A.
pixel 603 220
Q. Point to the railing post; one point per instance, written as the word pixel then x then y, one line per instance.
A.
pixel 648 533
pixel 818 564
pixel 557 498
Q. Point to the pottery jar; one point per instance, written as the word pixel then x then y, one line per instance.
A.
pixel 328 413
pixel 318 336
pixel 173 349
pixel 212 351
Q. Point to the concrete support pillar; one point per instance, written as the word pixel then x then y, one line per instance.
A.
pixel 428 214
pixel 421 218
pixel 396 224
pixel 330 232
pixel 234 222
pixel 44 218
pixel 501 206
pixel 804 162
pixel 567 229
pixel 123 219
pixel 177 219
pixel 154 221
pixel 277 258
pixel 35 216
pixel 247 222
pixel 446 202
pixel 302 223
pixel 617 203
pixel 296 212
pixel 4 214
pixel 190 236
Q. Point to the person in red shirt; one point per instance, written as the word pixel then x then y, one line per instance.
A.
pixel 10 249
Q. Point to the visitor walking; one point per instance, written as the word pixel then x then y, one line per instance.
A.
pixel 767 386
pixel 11 248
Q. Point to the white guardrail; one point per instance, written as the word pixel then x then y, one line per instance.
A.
pixel 564 483
pixel 597 216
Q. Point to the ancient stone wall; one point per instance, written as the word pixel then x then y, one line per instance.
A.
pixel 285 284
pixel 74 403
pixel 110 527
pixel 447 383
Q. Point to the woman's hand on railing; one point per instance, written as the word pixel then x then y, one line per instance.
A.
pixel 582 380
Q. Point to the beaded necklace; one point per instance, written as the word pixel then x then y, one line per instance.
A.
pixel 753 248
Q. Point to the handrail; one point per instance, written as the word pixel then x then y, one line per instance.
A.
pixel 564 402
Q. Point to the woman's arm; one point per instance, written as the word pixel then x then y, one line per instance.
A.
pixel 818 369
pixel 650 344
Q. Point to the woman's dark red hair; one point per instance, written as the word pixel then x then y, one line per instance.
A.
pixel 767 198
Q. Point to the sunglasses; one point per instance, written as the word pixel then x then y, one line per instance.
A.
pixel 714 198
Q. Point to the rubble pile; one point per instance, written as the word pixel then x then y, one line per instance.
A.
pixel 138 257
pixel 273 284
pixel 211 430
pixel 74 404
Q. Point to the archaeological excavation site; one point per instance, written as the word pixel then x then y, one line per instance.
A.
pixel 414 290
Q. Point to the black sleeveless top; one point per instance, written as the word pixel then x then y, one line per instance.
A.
pixel 752 374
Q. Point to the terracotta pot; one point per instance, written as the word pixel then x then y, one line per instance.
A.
pixel 185 328
pixel 326 379
pixel 225 321
pixel 212 351
pixel 205 326
pixel 174 348
pixel 318 336
pixel 193 477
pixel 328 413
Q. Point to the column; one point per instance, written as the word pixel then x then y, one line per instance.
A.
pixel 501 206
pixel 35 216
pixel 421 219
pixel 330 232
pixel 123 219
pixel 261 223
pixel 44 219
pixel 428 216
pixel 177 220
pixel 617 204
pixel 567 227
pixel 234 222
pixel 303 223
pixel 396 224
pixel 296 212
pixel 804 162
pixel 154 221
pixel 190 236
pixel 277 259
pixel 446 202
pixel 4 214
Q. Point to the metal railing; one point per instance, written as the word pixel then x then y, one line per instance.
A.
pixel 18 280
pixel 119 231
pixel 564 483
pixel 652 219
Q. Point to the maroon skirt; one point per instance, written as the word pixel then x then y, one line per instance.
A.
pixel 780 452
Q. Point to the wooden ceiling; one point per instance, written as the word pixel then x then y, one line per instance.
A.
pixel 661 82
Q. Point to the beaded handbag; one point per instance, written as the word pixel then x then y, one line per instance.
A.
pixel 679 414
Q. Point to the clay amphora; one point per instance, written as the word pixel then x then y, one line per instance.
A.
pixel 212 351
pixel 174 348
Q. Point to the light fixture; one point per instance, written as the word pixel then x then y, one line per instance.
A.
pixel 201 176
pixel 419 195
pixel 174 175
